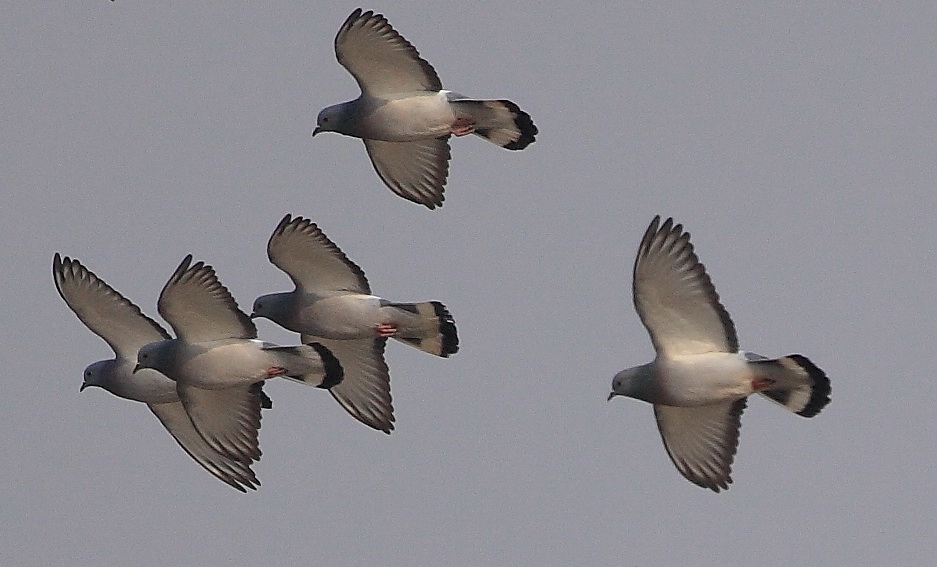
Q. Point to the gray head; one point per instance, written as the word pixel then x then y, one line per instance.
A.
pixel 273 306
pixel 634 382
pixel 157 356
pixel 331 119
pixel 98 374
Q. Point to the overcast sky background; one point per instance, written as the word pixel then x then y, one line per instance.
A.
pixel 796 144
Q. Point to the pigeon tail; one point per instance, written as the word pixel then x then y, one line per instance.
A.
pixel 311 364
pixel 797 384
pixel 440 337
pixel 500 122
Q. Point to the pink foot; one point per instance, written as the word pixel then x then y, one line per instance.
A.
pixel 462 127
pixel 759 384
pixel 275 371
pixel 385 330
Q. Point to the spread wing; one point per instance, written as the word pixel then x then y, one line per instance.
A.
pixel 314 263
pixel 227 419
pixel 675 298
pixel 199 308
pixel 364 391
pixel 702 440
pixel 416 170
pixel 230 471
pixel 380 59
pixel 102 309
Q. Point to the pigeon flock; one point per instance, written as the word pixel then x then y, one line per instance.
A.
pixel 206 384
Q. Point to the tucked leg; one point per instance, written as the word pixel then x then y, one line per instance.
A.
pixel 462 126
pixel 759 384
pixel 385 330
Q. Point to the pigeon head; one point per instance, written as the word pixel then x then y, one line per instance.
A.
pixel 156 356
pixel 634 382
pixel 273 306
pixel 97 374
pixel 333 119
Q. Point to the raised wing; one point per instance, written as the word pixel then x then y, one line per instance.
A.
pixel 199 308
pixel 364 391
pixel 675 298
pixel 228 419
pixel 314 263
pixel 102 309
pixel 380 59
pixel 416 171
pixel 702 440
pixel 233 472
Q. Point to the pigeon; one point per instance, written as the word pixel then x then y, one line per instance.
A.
pixel 125 328
pixel 218 364
pixel 332 304
pixel 700 381
pixel 405 117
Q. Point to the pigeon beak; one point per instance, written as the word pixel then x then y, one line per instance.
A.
pixel 610 396
pixel 316 131
pixel 83 386
pixel 253 315
pixel 136 368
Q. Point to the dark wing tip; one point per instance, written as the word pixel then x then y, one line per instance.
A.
pixel 282 227
pixel 356 16
pixel 58 271
pixel 287 218
pixel 182 268
pixel 187 271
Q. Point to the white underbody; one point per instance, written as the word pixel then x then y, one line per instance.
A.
pixel 405 118
pixel 703 379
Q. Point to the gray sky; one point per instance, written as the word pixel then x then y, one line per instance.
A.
pixel 796 144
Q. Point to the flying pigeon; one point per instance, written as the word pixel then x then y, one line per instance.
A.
pixel 404 116
pixel 125 328
pixel 700 381
pixel 332 304
pixel 217 362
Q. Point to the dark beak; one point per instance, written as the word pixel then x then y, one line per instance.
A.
pixel 253 315
pixel 83 386
pixel 316 131
pixel 610 396
pixel 136 368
